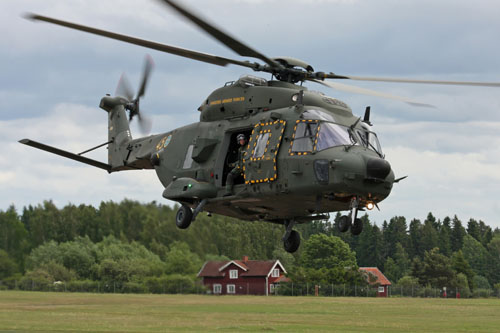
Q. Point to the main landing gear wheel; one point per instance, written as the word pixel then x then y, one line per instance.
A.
pixel 292 242
pixel 357 227
pixel 344 223
pixel 184 217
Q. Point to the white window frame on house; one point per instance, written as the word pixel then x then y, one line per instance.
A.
pixel 381 289
pixel 217 288
pixel 271 288
pixel 276 273
pixel 233 274
pixel 231 289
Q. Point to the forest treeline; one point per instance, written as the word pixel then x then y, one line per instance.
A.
pixel 138 248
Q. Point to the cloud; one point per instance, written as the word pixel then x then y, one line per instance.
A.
pixel 53 78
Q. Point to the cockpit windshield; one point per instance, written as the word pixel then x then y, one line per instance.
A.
pixel 318 131
pixel 331 135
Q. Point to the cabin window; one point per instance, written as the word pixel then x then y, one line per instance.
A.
pixel 271 288
pixel 381 289
pixel 305 136
pixel 276 273
pixel 217 288
pixel 233 274
pixel 261 144
pixel 231 289
pixel 188 161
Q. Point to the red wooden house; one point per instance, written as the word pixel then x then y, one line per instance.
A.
pixel 376 278
pixel 242 277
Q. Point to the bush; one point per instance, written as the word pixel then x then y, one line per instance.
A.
pixel 37 280
pixel 480 282
pixel 428 292
pixel 408 282
pixel 134 287
pixel 179 284
pixel 156 285
pixel 10 282
pixel 481 293
pixel 83 286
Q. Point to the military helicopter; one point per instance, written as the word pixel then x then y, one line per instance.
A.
pixel 304 155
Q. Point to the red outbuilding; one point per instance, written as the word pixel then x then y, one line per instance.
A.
pixel 242 277
pixel 376 278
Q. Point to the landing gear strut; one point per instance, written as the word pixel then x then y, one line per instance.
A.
pixel 291 238
pixel 351 221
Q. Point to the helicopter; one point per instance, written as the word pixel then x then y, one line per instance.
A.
pixel 305 154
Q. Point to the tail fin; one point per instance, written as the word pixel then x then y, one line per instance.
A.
pixel 118 131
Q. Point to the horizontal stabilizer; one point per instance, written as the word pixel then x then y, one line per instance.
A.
pixel 66 154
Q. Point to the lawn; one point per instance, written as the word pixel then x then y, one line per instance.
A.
pixel 52 312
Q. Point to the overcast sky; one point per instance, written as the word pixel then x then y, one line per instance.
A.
pixel 52 78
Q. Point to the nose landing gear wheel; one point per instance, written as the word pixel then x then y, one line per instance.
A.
pixel 344 223
pixel 357 227
pixel 292 242
pixel 183 217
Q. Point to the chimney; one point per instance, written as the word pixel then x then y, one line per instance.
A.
pixel 245 258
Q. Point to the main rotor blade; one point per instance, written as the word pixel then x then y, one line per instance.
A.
pixel 402 80
pixel 357 90
pixel 221 36
pixel 211 59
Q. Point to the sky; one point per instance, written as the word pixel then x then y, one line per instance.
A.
pixel 52 79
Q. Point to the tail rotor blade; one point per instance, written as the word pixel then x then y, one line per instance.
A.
pixel 148 66
pixel 145 124
pixel 124 89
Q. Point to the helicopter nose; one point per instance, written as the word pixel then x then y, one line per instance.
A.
pixel 377 168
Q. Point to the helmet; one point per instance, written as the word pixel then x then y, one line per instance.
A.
pixel 240 136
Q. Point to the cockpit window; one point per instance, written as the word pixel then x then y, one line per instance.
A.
pixel 370 140
pixel 305 136
pixel 331 135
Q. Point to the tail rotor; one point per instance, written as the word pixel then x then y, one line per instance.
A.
pixel 130 103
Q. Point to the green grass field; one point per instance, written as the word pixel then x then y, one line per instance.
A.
pixel 52 312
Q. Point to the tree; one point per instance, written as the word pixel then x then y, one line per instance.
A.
pixel 476 255
pixel 391 270
pixel 444 237
pixel 396 232
pixel 463 285
pixel 396 268
pixel 430 237
pixel 436 270
pixel 369 250
pixel 473 229
pixel 494 266
pixel 328 259
pixel 461 265
pixel 13 235
pixel 180 260
pixel 457 234
pixel 7 266
pixel 415 239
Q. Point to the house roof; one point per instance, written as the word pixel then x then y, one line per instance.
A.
pixel 250 267
pixel 381 279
